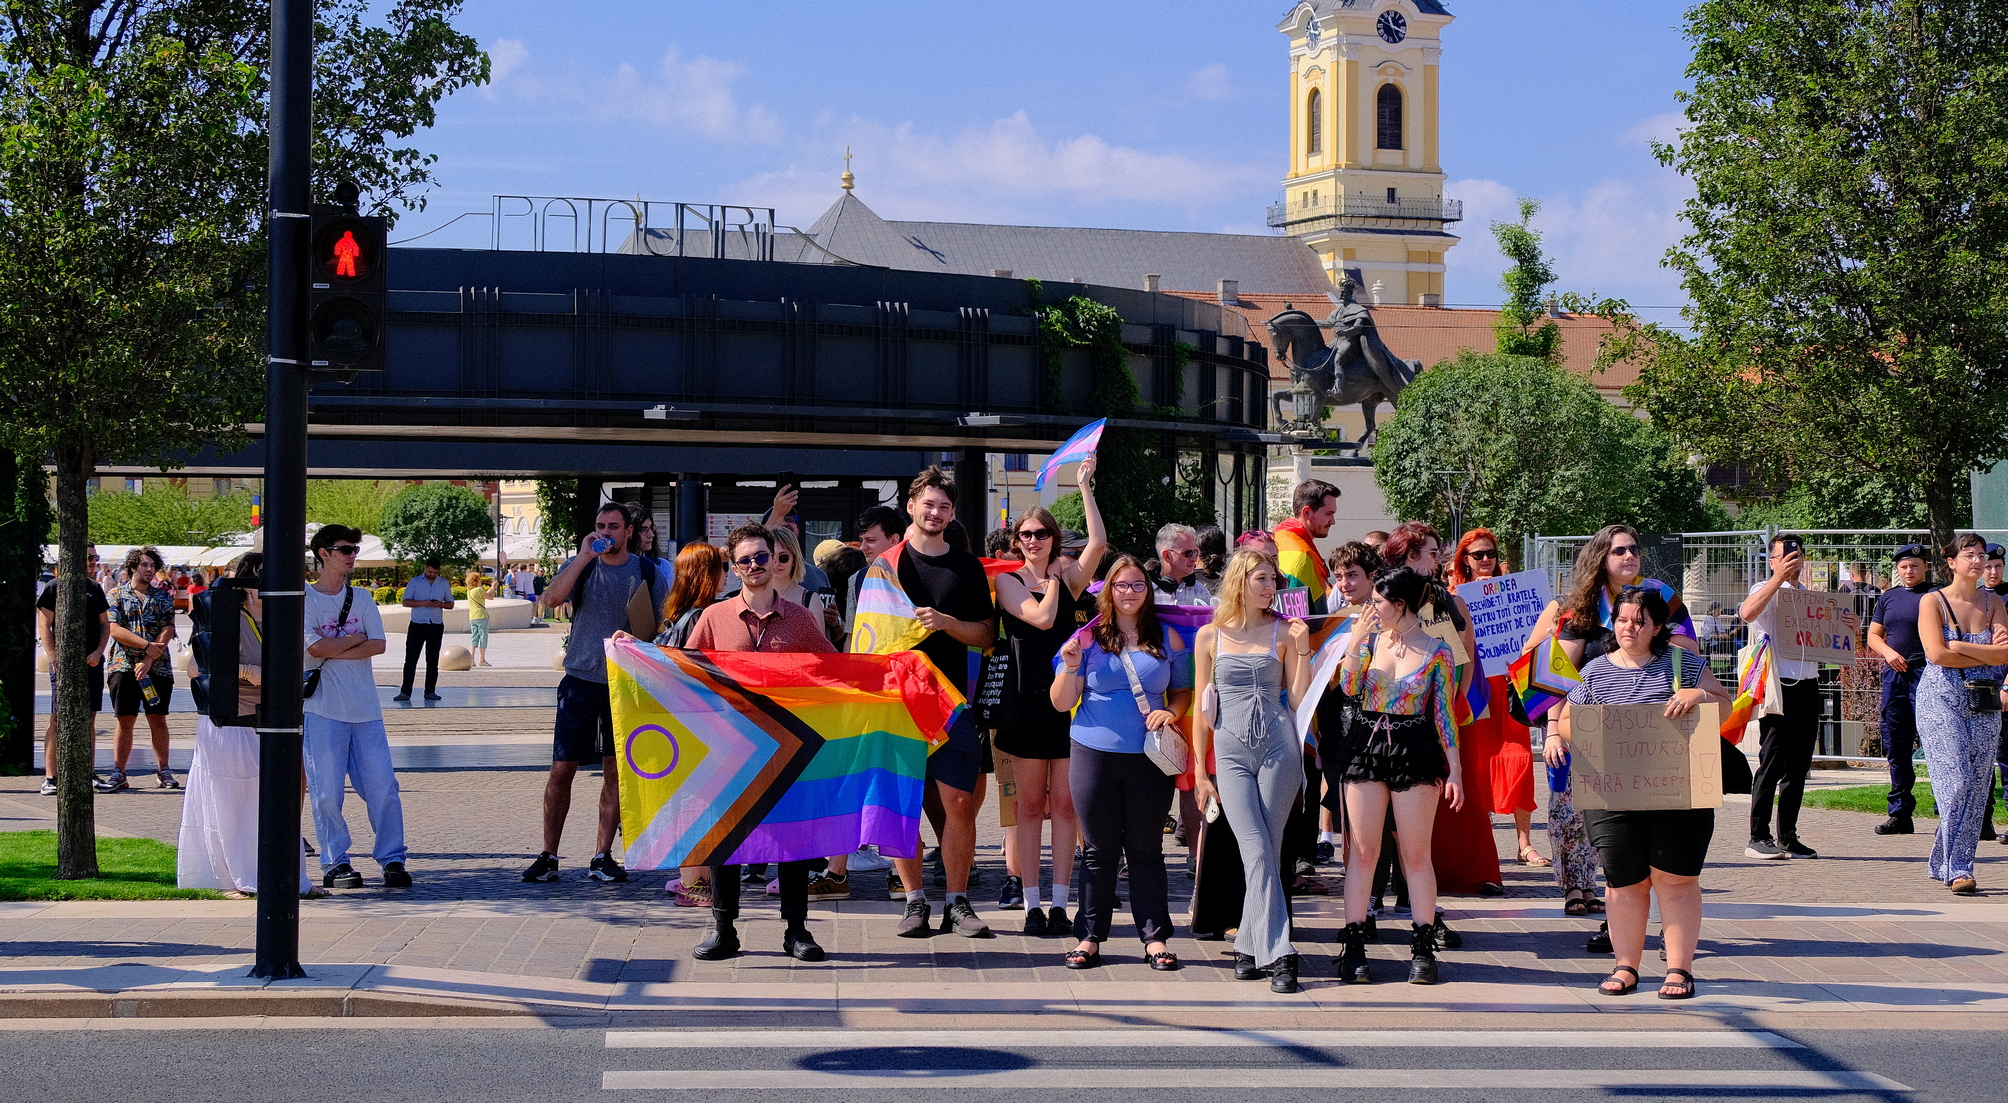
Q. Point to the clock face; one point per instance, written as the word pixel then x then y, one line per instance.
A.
pixel 1393 27
pixel 1312 34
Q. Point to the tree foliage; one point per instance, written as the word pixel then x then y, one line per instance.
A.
pixel 357 503
pixel 1530 274
pixel 132 181
pixel 1139 484
pixel 165 512
pixel 1847 259
pixel 1528 447
pixel 451 522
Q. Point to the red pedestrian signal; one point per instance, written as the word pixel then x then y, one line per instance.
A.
pixel 345 292
pixel 346 252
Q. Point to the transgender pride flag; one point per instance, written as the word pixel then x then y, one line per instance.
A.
pixel 1078 447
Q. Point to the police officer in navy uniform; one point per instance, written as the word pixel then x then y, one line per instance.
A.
pixel 1893 635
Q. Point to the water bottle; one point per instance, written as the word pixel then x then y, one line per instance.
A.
pixel 601 544
pixel 146 689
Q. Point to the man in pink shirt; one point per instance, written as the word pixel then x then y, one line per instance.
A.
pixel 758 619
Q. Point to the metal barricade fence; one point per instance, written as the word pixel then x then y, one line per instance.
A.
pixel 1715 571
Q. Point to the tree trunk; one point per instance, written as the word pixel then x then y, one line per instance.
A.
pixel 76 736
pixel 1940 497
pixel 23 521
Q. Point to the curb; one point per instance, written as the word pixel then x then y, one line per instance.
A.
pixel 197 1005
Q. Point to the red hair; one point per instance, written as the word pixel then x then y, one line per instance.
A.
pixel 1458 575
pixel 1405 540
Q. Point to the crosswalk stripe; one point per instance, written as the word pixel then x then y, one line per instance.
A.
pixel 1656 1081
pixel 1207 1039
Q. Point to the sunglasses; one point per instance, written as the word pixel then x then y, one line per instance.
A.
pixel 757 559
pixel 90 559
pixel 1035 534
pixel 785 557
pixel 1129 587
pixel 1193 554
pixel 1624 549
pixel 345 549
pixel 1488 553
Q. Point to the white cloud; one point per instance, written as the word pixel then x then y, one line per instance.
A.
pixel 505 57
pixel 1659 128
pixel 1212 83
pixel 692 95
pixel 1606 239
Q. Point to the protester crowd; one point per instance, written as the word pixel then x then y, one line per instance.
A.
pixel 1144 697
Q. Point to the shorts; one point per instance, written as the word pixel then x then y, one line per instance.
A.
pixel 477 633
pixel 585 728
pixel 958 762
pixel 96 692
pixel 989 763
pixel 1633 844
pixel 127 700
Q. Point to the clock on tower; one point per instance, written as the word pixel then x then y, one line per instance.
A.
pixel 1392 27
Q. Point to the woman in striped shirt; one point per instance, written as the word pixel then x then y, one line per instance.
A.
pixel 1659 851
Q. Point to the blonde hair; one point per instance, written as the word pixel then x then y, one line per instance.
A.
pixel 1232 609
pixel 784 537
pixel 473 579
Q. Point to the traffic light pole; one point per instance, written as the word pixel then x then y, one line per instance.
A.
pixel 285 513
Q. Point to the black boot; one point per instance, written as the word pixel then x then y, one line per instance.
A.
pixel 1372 927
pixel 720 944
pixel 1353 962
pixel 1245 968
pixel 1422 965
pixel 1446 939
pixel 1896 825
pixel 799 944
pixel 1283 974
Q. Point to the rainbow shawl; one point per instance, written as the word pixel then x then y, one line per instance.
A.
pixel 729 757
pixel 1542 678
pixel 1297 556
pixel 884 624
pixel 1753 671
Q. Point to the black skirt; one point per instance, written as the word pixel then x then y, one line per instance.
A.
pixel 1399 751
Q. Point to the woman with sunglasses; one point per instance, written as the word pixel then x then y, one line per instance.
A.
pixel 1964 628
pixel 1130 676
pixel 1498 742
pixel 1581 622
pixel 1041 605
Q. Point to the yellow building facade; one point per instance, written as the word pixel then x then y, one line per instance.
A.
pixel 1364 187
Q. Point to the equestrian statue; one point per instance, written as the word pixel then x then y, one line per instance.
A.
pixel 1356 368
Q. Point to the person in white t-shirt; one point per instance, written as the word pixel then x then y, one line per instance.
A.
pixel 345 738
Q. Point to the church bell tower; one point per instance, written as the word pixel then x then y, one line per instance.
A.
pixel 1364 188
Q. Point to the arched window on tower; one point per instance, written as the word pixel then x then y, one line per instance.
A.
pixel 1314 122
pixel 1387 118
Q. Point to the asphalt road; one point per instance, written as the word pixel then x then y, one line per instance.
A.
pixel 493 1065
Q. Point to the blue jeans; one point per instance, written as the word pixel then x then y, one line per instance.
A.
pixel 1899 732
pixel 339 752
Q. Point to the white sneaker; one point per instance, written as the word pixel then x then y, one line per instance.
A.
pixel 48 787
pixel 867 859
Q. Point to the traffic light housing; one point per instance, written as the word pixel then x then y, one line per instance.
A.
pixel 345 292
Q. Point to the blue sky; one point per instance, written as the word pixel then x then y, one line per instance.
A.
pixel 1159 115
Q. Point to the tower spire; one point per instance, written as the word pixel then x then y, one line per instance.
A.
pixel 847 180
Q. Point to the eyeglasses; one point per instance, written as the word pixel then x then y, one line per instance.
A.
pixel 1484 553
pixel 1129 587
pixel 344 549
pixel 785 557
pixel 1035 534
pixel 757 559
pixel 1624 549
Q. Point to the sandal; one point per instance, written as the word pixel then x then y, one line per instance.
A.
pixel 1595 904
pixel 1622 988
pixel 1164 961
pixel 1684 987
pixel 1531 857
pixel 1078 958
pixel 1577 903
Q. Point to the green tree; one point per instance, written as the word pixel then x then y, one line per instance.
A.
pixel 565 505
pixel 357 503
pixel 451 522
pixel 132 181
pixel 164 512
pixel 1530 274
pixel 1528 447
pixel 1847 263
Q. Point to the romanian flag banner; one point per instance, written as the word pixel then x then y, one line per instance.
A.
pixel 1753 671
pixel 1077 448
pixel 1542 677
pixel 729 757
pixel 884 623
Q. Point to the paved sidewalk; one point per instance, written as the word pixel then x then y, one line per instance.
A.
pixel 1859 931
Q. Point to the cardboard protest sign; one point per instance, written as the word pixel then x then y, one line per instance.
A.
pixel 1292 601
pixel 1437 623
pixel 1503 611
pixel 1810 627
pixel 1633 758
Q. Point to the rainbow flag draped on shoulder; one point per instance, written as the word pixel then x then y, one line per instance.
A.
pixel 729 757
pixel 1542 678
pixel 1753 673
pixel 884 623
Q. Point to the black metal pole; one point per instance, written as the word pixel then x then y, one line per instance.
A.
pixel 285 514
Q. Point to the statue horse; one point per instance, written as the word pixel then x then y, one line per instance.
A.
pixel 1359 369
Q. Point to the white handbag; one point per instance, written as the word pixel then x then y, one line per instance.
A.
pixel 1163 746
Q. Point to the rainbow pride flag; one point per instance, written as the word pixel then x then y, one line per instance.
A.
pixel 1542 677
pixel 1753 672
pixel 1077 448
pixel 885 622
pixel 729 757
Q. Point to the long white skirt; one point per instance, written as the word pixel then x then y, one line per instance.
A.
pixel 219 813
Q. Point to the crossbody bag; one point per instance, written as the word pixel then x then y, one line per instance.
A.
pixel 311 680
pixel 1982 694
pixel 1165 747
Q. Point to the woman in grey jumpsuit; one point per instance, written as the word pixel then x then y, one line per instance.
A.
pixel 1258 665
